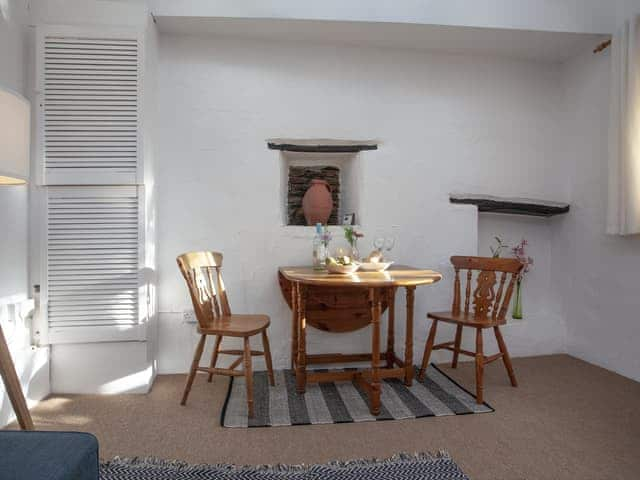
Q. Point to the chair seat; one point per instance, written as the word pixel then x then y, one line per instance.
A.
pixel 236 325
pixel 465 319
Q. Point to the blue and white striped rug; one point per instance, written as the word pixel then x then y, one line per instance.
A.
pixel 422 466
pixel 343 402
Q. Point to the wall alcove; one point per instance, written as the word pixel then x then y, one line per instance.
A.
pixel 335 161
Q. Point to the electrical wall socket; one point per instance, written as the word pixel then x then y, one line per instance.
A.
pixel 189 316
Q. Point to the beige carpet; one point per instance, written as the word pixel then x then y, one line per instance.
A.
pixel 568 419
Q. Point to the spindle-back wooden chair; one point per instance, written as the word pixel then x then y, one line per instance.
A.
pixel 484 307
pixel 203 273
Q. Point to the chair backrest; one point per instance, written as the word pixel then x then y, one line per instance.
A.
pixel 488 304
pixel 203 273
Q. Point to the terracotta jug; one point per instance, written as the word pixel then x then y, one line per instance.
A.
pixel 317 202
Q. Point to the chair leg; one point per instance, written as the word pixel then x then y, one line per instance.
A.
pixel 505 356
pixel 214 356
pixel 267 357
pixel 427 350
pixel 479 366
pixel 454 362
pixel 248 375
pixel 194 365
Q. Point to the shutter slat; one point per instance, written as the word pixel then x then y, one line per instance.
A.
pixel 69 317
pixel 77 200
pixel 57 73
pixel 96 217
pixel 117 102
pixel 91 143
pixel 87 235
pixel 92 269
pixel 87 128
pixel 90 78
pixel 101 242
pixel 68 39
pixel 80 233
pixel 97 70
pixel 72 278
pixel 95 97
pixel 89 262
pixel 92 117
pixel 88 148
pixel 53 48
pixel 94 304
pixel 86 162
pixel 72 301
pixel 81 320
pixel 75 320
pixel 90 82
pixel 93 54
pixel 92 309
pixel 90 292
pixel 93 208
pixel 86 109
pixel 95 323
pixel 92 253
pixel 95 60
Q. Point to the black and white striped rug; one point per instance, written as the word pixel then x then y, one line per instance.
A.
pixel 422 466
pixel 343 402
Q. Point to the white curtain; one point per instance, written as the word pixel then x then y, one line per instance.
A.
pixel 623 214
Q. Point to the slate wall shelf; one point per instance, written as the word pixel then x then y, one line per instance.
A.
pixel 321 145
pixel 514 206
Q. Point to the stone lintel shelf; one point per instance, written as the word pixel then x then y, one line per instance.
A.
pixel 514 206
pixel 321 145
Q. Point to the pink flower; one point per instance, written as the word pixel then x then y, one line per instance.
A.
pixel 519 252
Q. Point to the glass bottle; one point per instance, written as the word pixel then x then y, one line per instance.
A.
pixel 355 253
pixel 319 249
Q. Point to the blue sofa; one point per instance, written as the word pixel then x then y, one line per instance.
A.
pixel 48 455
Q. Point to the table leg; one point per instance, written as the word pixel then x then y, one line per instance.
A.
pixel 294 324
pixel 376 312
pixel 391 304
pixel 408 341
pixel 301 364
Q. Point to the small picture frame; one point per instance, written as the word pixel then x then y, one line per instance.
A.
pixel 349 219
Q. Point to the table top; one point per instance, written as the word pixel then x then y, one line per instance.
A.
pixel 395 276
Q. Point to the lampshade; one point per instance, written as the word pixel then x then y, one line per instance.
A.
pixel 14 138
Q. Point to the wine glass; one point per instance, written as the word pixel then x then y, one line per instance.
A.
pixel 389 243
pixel 378 243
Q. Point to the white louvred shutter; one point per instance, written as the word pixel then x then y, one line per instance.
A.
pixel 89 97
pixel 93 263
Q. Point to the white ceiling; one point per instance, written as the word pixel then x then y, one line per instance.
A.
pixel 578 16
pixel 522 44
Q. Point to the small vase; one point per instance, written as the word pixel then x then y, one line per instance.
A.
pixel 355 253
pixel 320 254
pixel 517 302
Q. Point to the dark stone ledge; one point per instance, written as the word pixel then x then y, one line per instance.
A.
pixel 288 147
pixel 514 206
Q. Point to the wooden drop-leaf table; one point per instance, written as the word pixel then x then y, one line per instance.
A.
pixel 345 303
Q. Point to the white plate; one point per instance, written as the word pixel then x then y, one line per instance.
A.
pixel 375 266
